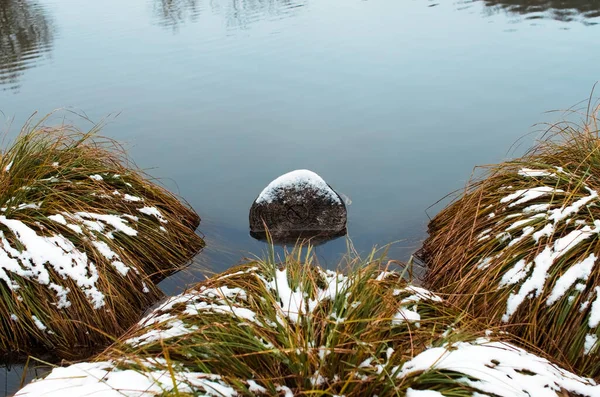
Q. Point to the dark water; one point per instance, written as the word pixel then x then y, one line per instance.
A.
pixel 392 102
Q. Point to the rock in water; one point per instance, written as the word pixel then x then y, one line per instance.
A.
pixel 299 204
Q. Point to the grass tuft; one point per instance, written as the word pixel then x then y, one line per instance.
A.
pixel 292 328
pixel 84 235
pixel 520 246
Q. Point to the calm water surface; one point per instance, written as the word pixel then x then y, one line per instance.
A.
pixel 392 101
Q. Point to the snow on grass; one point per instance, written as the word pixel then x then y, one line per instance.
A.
pixel 515 274
pixel 594 318
pixel 38 323
pixel 58 218
pixel 153 211
pixel 109 254
pixel 406 314
pixel 293 302
pixel 130 198
pixel 297 180
pixel 494 368
pixel 536 272
pixel 115 221
pixel 104 379
pixel 562 213
pixel 56 252
pixel 96 177
pixel 162 324
pixel 578 271
pixel 409 305
pixel 42 254
pixel 498 369
pixel 528 172
pixel 591 344
pixel 418 294
pixel 546 231
pixel 526 195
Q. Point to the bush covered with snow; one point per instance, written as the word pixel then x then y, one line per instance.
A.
pixel 83 237
pixel 520 247
pixel 295 329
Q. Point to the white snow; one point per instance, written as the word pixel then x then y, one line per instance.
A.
pixel 96 177
pixel 35 206
pixel 499 369
pixel 7 168
pixel 590 346
pixel 254 387
pixel 292 303
pixel 38 323
pixel 536 279
pixel 594 318
pixel 406 314
pixel 578 271
pixel 58 218
pixel 535 173
pixel 109 254
pixel 286 391
pixel 297 180
pixel 423 393
pixel 484 263
pixel 562 213
pixel 40 251
pixel 547 231
pixel 115 221
pixel 526 195
pixel 419 294
pixel 153 211
pixel 517 273
pixel 536 208
pixel 163 325
pixel 104 379
pixel 128 197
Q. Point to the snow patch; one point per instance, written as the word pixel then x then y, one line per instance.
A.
pixel 297 180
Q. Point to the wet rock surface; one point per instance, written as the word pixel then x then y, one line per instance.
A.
pixel 299 204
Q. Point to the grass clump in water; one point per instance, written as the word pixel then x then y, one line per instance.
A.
pixel 292 328
pixel 520 247
pixel 83 237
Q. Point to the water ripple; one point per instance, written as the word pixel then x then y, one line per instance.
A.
pixel 26 34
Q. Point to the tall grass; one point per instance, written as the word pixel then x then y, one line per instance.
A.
pixel 84 236
pixel 520 246
pixel 290 328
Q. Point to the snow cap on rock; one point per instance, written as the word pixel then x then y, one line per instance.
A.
pixel 298 204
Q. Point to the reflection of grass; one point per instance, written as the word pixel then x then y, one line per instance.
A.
pixel 566 11
pixel 291 328
pixel 83 236
pixel 26 32
pixel 521 246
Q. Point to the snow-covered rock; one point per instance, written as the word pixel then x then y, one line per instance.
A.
pixel 299 203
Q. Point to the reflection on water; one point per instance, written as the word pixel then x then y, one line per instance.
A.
pixel 242 13
pixel 562 10
pixel 239 14
pixel 26 33
pixel 172 13
pixel 17 375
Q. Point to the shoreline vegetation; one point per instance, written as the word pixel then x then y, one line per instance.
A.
pixel 84 237
pixel 520 246
pixel 509 304
pixel 291 328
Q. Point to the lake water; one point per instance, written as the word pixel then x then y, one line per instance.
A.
pixel 392 102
